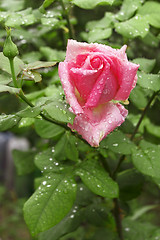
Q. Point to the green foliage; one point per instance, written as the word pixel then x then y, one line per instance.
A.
pixel 118 143
pixel 146 158
pixel 96 179
pixel 24 161
pixel 56 192
pixel 91 4
pixel 76 185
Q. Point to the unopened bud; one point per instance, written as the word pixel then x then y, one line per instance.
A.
pixel 10 49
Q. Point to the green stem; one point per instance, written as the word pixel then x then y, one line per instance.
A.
pixel 118 220
pixel 13 72
pixel 71 35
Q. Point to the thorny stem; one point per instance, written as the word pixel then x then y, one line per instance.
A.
pixel 68 20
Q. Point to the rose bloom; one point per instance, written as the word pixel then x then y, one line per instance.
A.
pixel 92 76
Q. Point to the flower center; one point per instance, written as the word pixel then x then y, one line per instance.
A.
pixel 96 62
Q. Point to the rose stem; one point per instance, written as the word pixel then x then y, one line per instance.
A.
pixel 71 35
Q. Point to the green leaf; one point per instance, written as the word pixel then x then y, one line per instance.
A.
pixel 134 27
pixel 103 23
pixel 153 129
pixel 138 97
pixel 8 121
pixel 29 112
pixel 12 90
pixel 46 161
pixel 99 34
pixel 97 179
pixel 151 9
pixel 137 230
pixel 47 3
pixel 51 22
pixel 39 64
pixel 128 9
pixel 146 65
pixel 52 54
pixel 5 78
pixel 26 122
pixel 118 143
pixel 149 81
pixel 46 129
pixel 146 159
pixel 130 184
pixel 5 65
pixel 139 212
pixel 151 40
pixel 59 112
pixel 69 224
pixel 50 203
pixel 90 4
pixel 24 161
pixel 97 215
pixel 66 148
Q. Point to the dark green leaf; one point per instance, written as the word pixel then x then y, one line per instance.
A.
pixel 29 112
pixel 130 184
pixel 39 64
pixel 47 162
pixel 5 78
pixel 99 34
pixel 69 224
pixel 50 203
pixel 12 90
pixel 5 65
pixel 151 9
pixel 59 112
pixel 151 40
pixel 97 179
pixel 24 161
pixel 66 148
pixel 146 65
pixel 118 142
pixel 103 23
pixel 90 4
pixel 134 27
pixel 138 97
pixel 137 230
pixel 52 54
pixel 149 81
pixel 8 121
pixel 128 9
pixel 26 122
pixel 146 158
pixel 46 129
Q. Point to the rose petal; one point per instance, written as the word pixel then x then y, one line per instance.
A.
pixel 69 88
pixel 127 80
pixel 94 126
pixel 75 48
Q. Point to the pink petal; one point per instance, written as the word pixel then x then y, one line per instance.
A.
pixel 127 80
pixel 95 125
pixel 69 88
pixel 75 48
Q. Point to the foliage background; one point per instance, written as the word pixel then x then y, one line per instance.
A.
pixel 41 35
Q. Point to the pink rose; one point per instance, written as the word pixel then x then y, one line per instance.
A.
pixel 93 75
